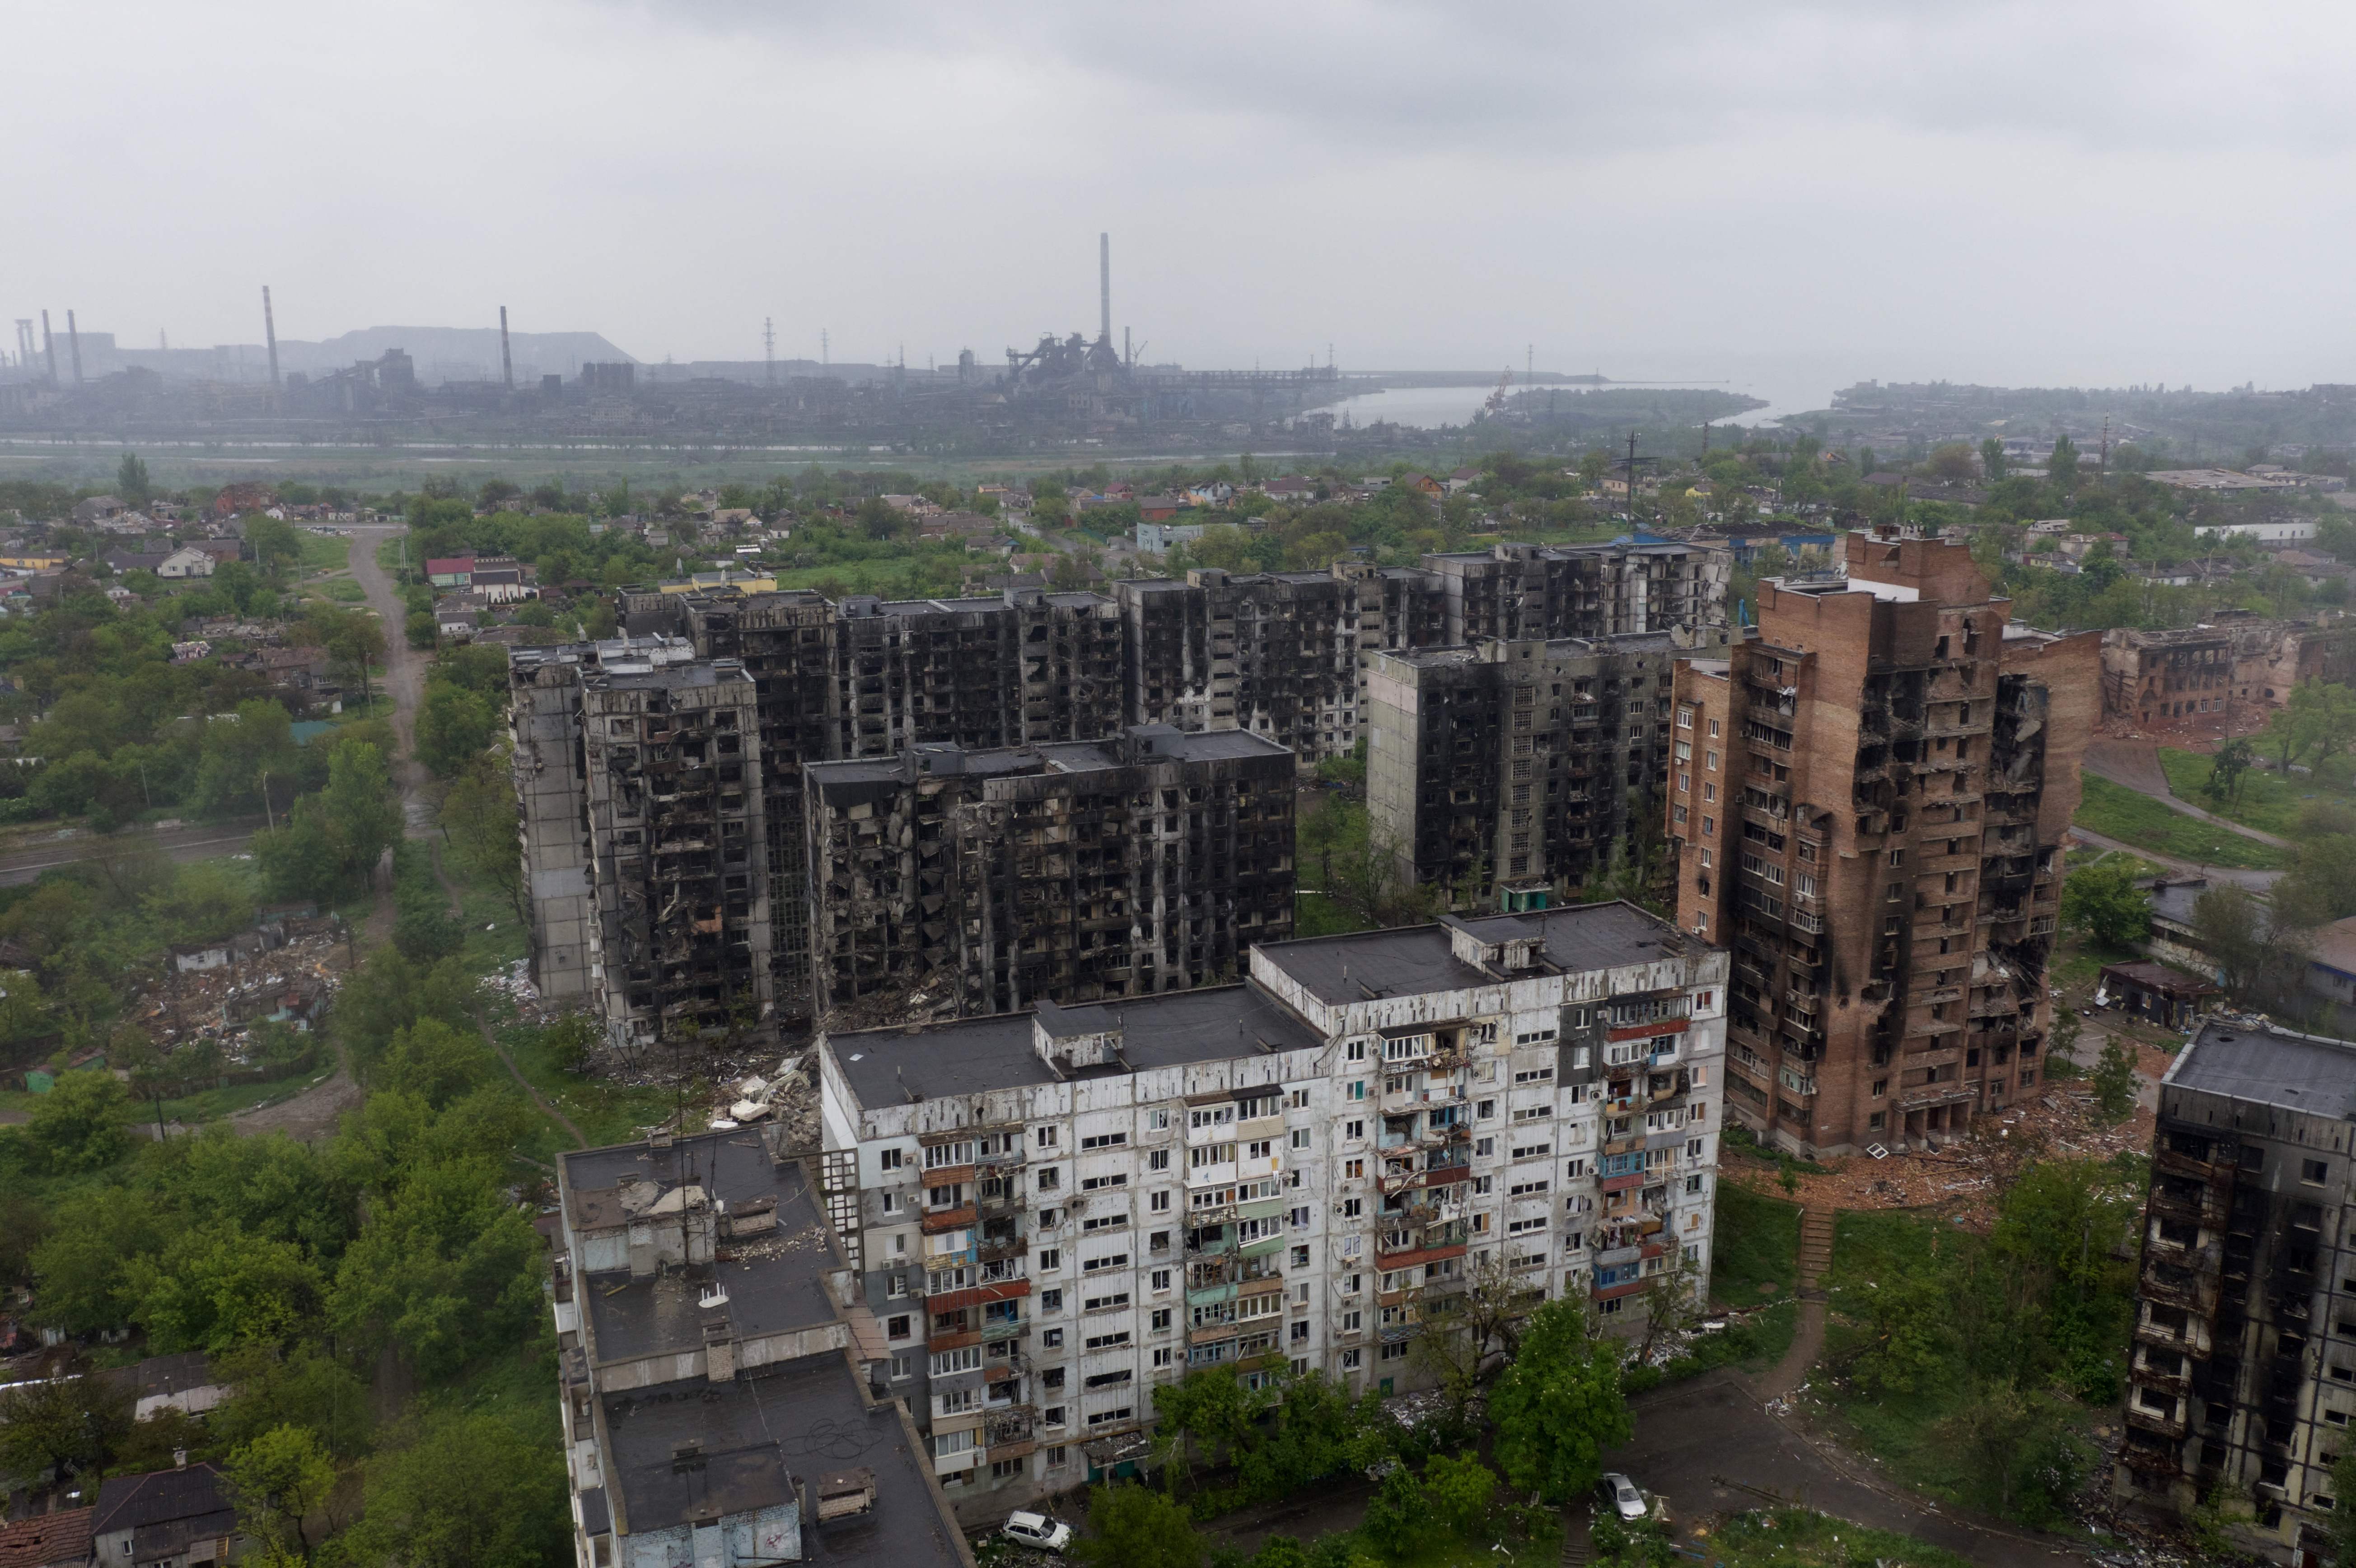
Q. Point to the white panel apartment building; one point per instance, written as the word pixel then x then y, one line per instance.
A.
pixel 1061 1208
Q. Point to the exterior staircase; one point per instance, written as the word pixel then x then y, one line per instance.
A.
pixel 1816 1251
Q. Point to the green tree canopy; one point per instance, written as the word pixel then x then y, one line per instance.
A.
pixel 82 1123
pixel 1133 1526
pixel 1560 1405
pixel 2103 901
pixel 473 1490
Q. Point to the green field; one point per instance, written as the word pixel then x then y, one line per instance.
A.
pixel 2267 801
pixel 325 552
pixel 2117 812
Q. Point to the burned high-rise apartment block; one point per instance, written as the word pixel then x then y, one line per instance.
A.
pixel 1869 797
pixel 1515 767
pixel 659 857
pixel 2243 1386
pixel 1281 656
pixel 950 882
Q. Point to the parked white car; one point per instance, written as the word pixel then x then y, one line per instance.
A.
pixel 1620 1495
pixel 1037 1529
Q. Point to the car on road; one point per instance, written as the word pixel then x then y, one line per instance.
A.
pixel 1620 1495
pixel 1037 1529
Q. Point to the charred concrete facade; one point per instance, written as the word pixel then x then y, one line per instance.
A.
pixel 637 773
pixel 1277 654
pixel 1062 1209
pixel 984 881
pixel 2243 1378
pixel 1870 800
pixel 1518 592
pixel 2223 678
pixel 1513 766
pixel 1281 656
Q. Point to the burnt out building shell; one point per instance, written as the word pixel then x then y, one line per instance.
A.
pixel 638 770
pixel 1513 767
pixel 959 883
pixel 2242 1382
pixel 1870 798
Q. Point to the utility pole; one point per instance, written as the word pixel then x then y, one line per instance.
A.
pixel 769 352
pixel 1628 467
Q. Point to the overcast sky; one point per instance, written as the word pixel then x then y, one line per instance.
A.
pixel 2088 193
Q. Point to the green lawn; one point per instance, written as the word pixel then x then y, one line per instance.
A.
pixel 321 552
pixel 2117 812
pixel 1798 1538
pixel 1755 1256
pixel 2267 802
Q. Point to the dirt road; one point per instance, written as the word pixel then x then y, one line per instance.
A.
pixel 314 1112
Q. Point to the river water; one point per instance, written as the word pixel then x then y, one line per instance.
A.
pixel 1789 384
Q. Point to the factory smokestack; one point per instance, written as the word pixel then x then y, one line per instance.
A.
pixel 1104 289
pixel 50 348
pixel 507 364
pixel 73 342
pixel 269 336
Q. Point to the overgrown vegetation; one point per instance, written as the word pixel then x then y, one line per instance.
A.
pixel 1975 1364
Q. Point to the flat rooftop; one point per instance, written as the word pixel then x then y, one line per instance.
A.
pixel 776 1282
pixel 967 1056
pixel 756 1435
pixel 1369 964
pixel 2269 1066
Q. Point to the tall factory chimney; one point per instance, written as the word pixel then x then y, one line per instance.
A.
pixel 270 334
pixel 507 362
pixel 73 343
pixel 1104 289
pixel 50 348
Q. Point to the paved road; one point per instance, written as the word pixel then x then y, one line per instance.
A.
pixel 2136 765
pixel 197 841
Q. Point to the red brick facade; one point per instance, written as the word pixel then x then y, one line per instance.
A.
pixel 1868 800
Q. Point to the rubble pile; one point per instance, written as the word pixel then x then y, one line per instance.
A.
pixel 221 1002
pixel 788 1098
pixel 1966 1174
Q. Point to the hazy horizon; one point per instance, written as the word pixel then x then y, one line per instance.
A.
pixel 2089 195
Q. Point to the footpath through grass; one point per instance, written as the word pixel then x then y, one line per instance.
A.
pixel 2117 812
